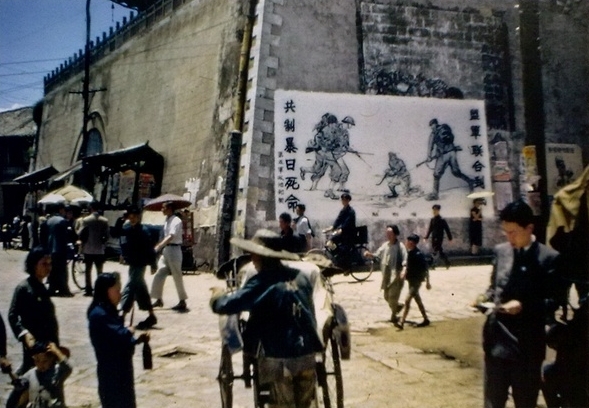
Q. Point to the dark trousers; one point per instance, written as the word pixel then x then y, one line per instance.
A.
pixel 136 289
pixel 98 261
pixel 522 376
pixel 58 278
pixel 438 250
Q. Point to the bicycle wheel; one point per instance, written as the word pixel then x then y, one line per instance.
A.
pixel 362 266
pixel 329 373
pixel 316 251
pixel 225 378
pixel 79 271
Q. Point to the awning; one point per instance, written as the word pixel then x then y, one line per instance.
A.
pixel 125 157
pixel 67 172
pixel 37 176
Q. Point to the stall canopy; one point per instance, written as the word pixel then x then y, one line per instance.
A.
pixel 126 157
pixel 37 176
pixel 67 172
pixel 126 176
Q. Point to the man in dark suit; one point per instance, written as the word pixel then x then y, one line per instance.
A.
pixel 57 239
pixel 524 290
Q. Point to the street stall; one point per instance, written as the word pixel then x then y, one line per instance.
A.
pixel 121 178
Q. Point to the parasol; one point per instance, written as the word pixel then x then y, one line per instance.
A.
pixel 82 200
pixel 52 198
pixel 72 193
pixel 480 194
pixel 156 204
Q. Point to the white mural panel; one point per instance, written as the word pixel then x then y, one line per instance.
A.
pixel 396 156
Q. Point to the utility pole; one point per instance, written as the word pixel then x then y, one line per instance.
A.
pixel 87 180
pixel 533 93
pixel 86 84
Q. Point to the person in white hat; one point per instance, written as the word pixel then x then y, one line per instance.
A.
pixel 282 330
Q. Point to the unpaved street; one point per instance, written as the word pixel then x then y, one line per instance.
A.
pixel 436 366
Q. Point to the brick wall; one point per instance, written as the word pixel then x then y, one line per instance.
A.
pixel 437 53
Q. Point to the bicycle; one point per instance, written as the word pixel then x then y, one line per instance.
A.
pixel 350 259
pixel 78 269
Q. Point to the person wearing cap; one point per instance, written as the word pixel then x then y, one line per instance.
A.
pixel 94 235
pixel 171 259
pixel 43 383
pixel 285 352
pixel 32 313
pixel 137 251
pixel 417 271
pixel 437 227
pixel 393 260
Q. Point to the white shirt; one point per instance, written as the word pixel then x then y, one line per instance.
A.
pixel 173 226
pixel 302 226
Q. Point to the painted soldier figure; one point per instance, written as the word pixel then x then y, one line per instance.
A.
pixel 441 147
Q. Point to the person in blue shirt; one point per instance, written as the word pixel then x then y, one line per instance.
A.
pixel 114 344
pixel 285 352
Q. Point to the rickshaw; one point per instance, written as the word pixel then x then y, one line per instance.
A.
pixel 334 330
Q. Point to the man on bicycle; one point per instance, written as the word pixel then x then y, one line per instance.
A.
pixel 344 230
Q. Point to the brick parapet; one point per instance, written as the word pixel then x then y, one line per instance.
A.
pixel 117 37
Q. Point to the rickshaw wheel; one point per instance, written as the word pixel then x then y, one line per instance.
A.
pixel 225 378
pixel 330 376
pixel 316 251
pixel 261 392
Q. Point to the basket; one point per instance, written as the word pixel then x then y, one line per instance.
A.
pixel 361 235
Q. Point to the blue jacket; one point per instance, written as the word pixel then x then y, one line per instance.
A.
pixel 113 345
pixel 266 326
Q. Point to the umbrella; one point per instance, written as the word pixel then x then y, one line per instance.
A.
pixel 71 193
pixel 177 202
pixel 480 194
pixel 82 200
pixel 52 198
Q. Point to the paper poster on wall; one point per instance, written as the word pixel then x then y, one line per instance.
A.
pixel 528 173
pixel 564 163
pixel 396 156
pixel 503 195
pixel 126 184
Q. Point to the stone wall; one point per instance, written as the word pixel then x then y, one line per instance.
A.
pixel 172 85
pixel 169 80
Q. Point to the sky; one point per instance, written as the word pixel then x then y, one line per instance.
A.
pixel 37 35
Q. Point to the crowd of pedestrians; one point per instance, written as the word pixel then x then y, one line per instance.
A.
pixel 526 289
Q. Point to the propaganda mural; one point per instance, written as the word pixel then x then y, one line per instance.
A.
pixel 396 156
